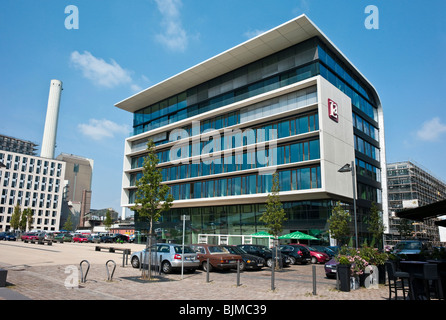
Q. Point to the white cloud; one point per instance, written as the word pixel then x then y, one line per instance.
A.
pixel 174 36
pixel 253 33
pixel 431 130
pixel 100 129
pixel 101 73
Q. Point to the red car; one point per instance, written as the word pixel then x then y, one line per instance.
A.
pixel 29 236
pixel 317 256
pixel 80 238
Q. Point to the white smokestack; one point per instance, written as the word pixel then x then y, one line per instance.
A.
pixel 52 117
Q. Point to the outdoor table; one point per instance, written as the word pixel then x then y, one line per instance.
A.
pixel 416 288
pixel 441 265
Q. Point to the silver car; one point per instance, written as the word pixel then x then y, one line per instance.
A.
pixel 169 255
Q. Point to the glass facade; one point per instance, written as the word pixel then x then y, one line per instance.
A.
pixel 232 168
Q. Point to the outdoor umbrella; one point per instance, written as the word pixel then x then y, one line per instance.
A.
pixel 298 235
pixel 262 234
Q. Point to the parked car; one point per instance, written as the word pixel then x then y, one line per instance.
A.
pixel 325 250
pixel 297 253
pixel 94 238
pixel 171 257
pixel 106 239
pixel 411 248
pixel 249 261
pixel 316 255
pixel 265 253
pixel 63 237
pixel 8 236
pixel 330 268
pixel 80 238
pixel 29 236
pixel 120 238
pixel 219 257
pixel 2 235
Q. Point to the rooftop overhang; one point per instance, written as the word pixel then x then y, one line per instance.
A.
pixel 432 210
pixel 265 44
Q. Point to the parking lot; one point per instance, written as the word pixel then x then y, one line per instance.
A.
pixel 43 272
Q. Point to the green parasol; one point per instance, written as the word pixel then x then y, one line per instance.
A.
pixel 298 235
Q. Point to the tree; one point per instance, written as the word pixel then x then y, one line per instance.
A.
pixel 274 216
pixel 339 223
pixel 15 218
pixel 68 225
pixel 28 216
pixel 108 220
pixel 152 198
pixel 23 220
pixel 376 225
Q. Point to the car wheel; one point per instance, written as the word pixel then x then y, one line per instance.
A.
pixel 205 266
pixel 269 262
pixel 292 260
pixel 313 260
pixel 166 267
pixel 242 266
pixel 135 262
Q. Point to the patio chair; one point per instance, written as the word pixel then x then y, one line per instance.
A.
pixel 430 274
pixel 396 280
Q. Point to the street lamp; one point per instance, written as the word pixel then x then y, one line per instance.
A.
pixel 351 168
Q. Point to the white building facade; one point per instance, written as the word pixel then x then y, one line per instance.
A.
pixel 31 182
pixel 286 101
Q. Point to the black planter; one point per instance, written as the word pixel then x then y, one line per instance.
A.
pixel 381 274
pixel 343 277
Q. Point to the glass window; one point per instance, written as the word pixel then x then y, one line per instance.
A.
pixel 303 124
pixel 197 190
pixel 284 129
pixel 314 149
pixel 285 180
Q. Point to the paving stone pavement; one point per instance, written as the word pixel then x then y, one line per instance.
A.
pixel 40 275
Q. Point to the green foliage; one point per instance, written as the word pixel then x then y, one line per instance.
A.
pixel 152 197
pixel 28 216
pixel 15 218
pixel 108 220
pixel 339 223
pixel 68 225
pixel 274 216
pixel 375 224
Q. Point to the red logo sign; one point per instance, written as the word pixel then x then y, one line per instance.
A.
pixel 333 110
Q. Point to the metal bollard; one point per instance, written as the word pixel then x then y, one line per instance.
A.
pixel 238 273
pixel 207 270
pixel 314 280
pixel 84 277
pixel 273 266
pixel 110 277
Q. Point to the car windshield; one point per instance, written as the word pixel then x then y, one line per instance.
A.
pixel 217 249
pixel 179 249
pixel 235 250
pixel 408 245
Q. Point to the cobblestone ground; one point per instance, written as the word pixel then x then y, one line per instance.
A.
pixel 61 282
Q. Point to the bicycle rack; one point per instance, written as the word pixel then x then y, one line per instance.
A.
pixel 110 277
pixel 84 277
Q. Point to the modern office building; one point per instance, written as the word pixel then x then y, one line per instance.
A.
pixel 412 186
pixel 286 101
pixel 31 182
pixel 17 145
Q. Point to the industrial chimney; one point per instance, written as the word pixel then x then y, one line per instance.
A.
pixel 52 115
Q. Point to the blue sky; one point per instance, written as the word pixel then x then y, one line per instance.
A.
pixel 122 47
